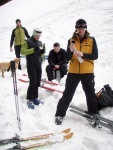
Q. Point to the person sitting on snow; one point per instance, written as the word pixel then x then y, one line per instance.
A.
pixel 57 61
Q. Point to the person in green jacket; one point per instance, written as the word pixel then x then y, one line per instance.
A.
pixel 33 49
pixel 18 38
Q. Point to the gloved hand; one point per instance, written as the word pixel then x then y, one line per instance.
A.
pixel 36 48
pixel 42 51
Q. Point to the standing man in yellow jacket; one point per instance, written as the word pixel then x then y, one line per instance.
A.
pixel 18 37
pixel 83 71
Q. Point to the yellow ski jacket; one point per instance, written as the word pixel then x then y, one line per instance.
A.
pixel 89 49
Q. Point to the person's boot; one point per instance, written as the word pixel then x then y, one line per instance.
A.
pixel 58 120
pixel 30 104
pixel 36 101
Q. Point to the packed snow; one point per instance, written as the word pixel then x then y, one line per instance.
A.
pixel 57 20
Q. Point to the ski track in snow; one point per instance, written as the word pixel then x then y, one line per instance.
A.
pixel 58 26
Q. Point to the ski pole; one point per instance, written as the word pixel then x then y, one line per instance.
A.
pixel 13 69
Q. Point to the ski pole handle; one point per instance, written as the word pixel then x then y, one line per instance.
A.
pixel 79 58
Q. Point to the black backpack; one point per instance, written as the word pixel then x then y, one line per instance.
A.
pixel 105 97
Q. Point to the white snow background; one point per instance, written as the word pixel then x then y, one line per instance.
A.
pixel 57 20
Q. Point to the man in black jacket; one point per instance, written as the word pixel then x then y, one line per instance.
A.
pixel 57 61
pixel 33 48
pixel 18 37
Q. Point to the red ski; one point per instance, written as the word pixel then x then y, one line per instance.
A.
pixel 43 80
pixel 50 89
pixel 42 86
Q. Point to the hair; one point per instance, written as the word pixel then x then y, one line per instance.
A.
pixel 56 45
pixel 74 36
pixel 17 20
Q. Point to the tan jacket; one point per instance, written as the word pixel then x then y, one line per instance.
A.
pixel 90 52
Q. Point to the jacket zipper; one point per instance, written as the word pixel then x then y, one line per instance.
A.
pixel 79 62
pixel 20 35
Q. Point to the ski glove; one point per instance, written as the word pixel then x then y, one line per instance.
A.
pixel 42 51
pixel 36 49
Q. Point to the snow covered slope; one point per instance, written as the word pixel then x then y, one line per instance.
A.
pixel 57 19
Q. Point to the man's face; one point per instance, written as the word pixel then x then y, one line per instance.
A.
pixel 18 23
pixel 37 37
pixel 81 31
pixel 56 49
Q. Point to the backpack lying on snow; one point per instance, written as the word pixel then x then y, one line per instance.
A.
pixel 105 97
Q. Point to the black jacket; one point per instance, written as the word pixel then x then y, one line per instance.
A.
pixel 36 56
pixel 57 58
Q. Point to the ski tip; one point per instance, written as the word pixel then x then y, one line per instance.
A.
pixel 67 130
pixel 66 137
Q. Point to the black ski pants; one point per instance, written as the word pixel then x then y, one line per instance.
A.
pixel 17 53
pixel 62 69
pixel 72 81
pixel 34 74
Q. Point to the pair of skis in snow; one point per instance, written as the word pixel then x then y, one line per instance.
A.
pixel 95 119
pixel 43 80
pixel 43 86
pixel 65 135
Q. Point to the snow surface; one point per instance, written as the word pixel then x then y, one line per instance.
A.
pixel 57 19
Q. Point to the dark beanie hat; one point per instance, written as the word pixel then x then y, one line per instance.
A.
pixel 81 23
pixel 18 20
